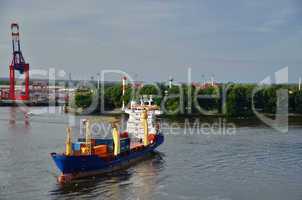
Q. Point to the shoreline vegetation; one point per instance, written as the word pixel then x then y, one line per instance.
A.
pixel 221 100
pixel 232 100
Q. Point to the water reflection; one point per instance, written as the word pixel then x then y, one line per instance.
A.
pixel 16 115
pixel 195 166
pixel 136 182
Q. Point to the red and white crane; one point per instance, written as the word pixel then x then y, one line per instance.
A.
pixel 18 64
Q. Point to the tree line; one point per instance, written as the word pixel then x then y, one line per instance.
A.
pixel 234 100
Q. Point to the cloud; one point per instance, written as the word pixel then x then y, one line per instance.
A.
pixel 149 36
pixel 277 20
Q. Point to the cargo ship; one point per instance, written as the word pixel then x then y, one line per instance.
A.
pixel 94 156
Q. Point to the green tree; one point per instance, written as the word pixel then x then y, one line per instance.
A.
pixel 149 90
pixel 270 99
pixel 239 100
pixel 113 96
pixel 298 102
pixel 83 97
pixel 175 104
pixel 208 100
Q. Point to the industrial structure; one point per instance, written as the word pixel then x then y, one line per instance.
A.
pixel 18 64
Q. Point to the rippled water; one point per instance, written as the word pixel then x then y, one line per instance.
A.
pixel 255 163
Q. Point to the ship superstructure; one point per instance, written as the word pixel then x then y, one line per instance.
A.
pixel 135 110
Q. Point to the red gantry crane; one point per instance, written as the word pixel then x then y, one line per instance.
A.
pixel 18 64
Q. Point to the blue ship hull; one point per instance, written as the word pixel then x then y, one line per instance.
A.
pixel 87 165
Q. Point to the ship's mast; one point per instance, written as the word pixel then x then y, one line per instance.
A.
pixel 124 79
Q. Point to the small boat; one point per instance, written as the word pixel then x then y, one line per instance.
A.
pixel 94 156
pixel 36 112
pixel 30 113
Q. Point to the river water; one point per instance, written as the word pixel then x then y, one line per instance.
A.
pixel 254 162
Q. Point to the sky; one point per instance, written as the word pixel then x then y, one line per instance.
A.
pixel 151 40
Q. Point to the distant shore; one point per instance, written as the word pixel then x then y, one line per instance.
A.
pixel 233 100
